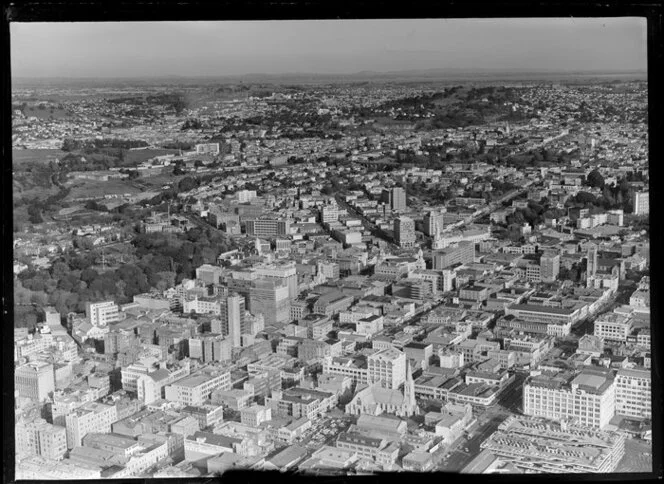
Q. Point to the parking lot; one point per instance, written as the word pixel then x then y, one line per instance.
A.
pixel 324 431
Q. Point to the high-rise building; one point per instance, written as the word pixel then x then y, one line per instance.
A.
pixel 641 203
pixel 395 199
pixel 591 265
pixel 102 313
pixel 41 438
pixel 633 393
pixel 433 224
pixel 398 200
pixel 285 272
pixel 589 397
pixel 233 318
pixel 35 380
pixel 91 417
pixel 210 347
pixel 549 266
pixel 404 232
pixel 387 367
pixel 270 298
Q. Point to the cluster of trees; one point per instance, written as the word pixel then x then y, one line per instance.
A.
pixel 534 214
pixel 615 196
pixel 70 144
pixel 535 157
pixel 36 207
pixel 193 123
pixel 175 101
pixel 163 260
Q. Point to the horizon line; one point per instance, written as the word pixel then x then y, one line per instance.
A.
pixel 440 71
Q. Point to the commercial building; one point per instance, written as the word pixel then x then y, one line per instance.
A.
pixel 589 397
pixel 538 446
pixel 233 323
pixel 300 402
pixel 35 380
pixel 286 273
pixel 255 415
pixel 196 388
pixel 404 232
pixel 210 347
pixel 544 314
pixel 613 327
pixel 353 368
pixel 433 224
pixel 464 253
pixel 641 203
pixel 395 199
pixel 332 303
pixel 387 368
pixel 271 299
pixel 208 274
pixel 268 227
pixel 633 393
pixel 102 313
pixel 150 387
pixel 380 451
pixel 40 438
pixel 91 417
pixel 549 266
pixel 144 366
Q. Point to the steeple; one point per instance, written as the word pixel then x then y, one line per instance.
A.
pixel 409 402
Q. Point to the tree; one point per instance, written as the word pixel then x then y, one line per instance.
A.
pixel 595 179
pixel 186 184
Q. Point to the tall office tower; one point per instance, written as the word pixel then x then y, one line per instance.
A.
pixel 404 232
pixel 102 313
pixel 40 438
pixel 280 272
pixel 397 199
pixel 387 367
pixel 232 318
pixel 591 266
pixel 641 203
pixel 270 298
pixel 549 266
pixel 35 380
pixel 433 224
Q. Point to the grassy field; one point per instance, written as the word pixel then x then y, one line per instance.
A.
pixel 35 156
pixel 92 188
pixel 139 156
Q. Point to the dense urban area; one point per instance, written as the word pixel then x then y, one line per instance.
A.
pixel 331 278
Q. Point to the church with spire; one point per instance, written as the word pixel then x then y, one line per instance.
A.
pixel 391 388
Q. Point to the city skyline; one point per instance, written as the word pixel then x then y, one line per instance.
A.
pixel 237 48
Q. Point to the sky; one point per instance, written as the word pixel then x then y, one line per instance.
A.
pixel 231 48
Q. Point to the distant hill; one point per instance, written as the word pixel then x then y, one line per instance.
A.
pixel 438 74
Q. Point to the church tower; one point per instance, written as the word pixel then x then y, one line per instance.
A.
pixel 409 402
